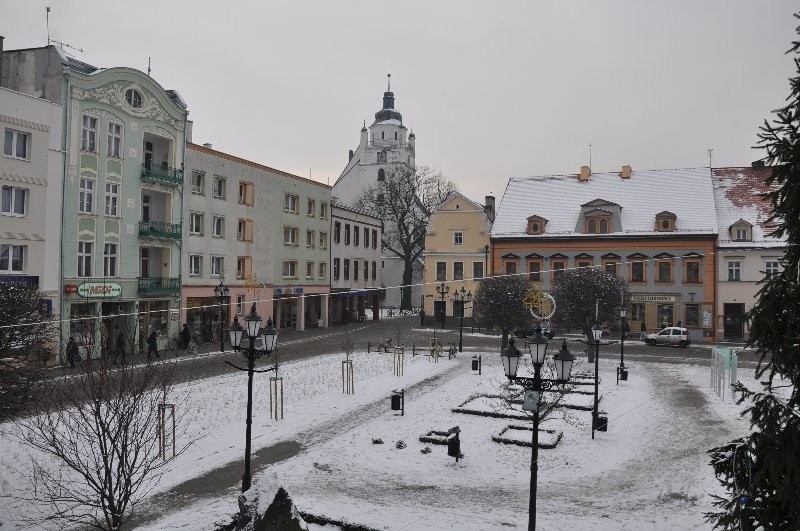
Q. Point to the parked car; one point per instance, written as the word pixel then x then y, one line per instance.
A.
pixel 529 331
pixel 671 335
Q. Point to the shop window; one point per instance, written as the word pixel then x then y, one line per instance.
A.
pixel 692 317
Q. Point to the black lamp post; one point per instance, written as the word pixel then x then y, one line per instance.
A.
pixel 463 297
pixel 443 289
pixel 486 261
pixel 598 423
pixel 221 292
pixel 622 372
pixel 269 336
pixel 563 360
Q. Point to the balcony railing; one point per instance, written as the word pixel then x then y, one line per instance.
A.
pixel 161 173
pixel 157 285
pixel 160 229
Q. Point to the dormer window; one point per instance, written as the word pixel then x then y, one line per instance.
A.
pixel 536 225
pixel 665 221
pixel 597 222
pixel 742 231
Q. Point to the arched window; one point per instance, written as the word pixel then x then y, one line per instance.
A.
pixel 592 226
pixel 603 226
pixel 381 175
pixel 382 135
pixel 395 135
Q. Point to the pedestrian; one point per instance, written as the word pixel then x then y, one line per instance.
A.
pixel 680 324
pixel 185 335
pixel 72 352
pixel 422 317
pixel 346 316
pixel 152 345
pixel 120 353
pixel 643 333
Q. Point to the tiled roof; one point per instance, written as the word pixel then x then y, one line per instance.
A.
pixel 558 198
pixel 738 195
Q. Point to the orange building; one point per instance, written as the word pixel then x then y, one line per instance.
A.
pixel 655 229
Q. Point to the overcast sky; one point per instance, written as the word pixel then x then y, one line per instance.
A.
pixel 491 89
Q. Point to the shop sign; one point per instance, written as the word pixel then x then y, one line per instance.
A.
pixel 298 290
pixel 70 289
pixel 278 291
pixel 654 298
pixel 99 290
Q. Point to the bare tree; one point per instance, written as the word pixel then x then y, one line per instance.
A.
pixel 405 200
pixel 26 337
pixel 103 434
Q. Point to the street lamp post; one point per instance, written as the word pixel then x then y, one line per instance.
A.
pixel 486 261
pixel 598 423
pixel 622 372
pixel 563 361
pixel 462 296
pixel 269 337
pixel 443 289
pixel 221 292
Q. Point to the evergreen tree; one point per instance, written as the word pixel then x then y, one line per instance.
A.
pixel 761 471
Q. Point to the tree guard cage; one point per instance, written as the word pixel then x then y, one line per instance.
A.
pixel 276 398
pixel 399 355
pixel 166 412
pixel 347 377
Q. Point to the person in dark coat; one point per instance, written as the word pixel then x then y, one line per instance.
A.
pixel 72 352
pixel 422 317
pixel 120 348
pixel 152 345
pixel 642 332
pixel 185 336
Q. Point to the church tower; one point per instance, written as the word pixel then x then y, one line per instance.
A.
pixel 384 146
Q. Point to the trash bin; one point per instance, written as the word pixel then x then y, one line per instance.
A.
pixel 474 363
pixel 398 401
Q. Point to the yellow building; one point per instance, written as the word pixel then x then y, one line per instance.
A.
pixel 456 252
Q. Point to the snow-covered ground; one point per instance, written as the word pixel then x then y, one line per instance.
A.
pixel 649 471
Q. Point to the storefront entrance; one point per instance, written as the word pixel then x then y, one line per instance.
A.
pixel 202 316
pixel 734 320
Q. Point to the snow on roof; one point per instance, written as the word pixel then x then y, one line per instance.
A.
pixel 558 198
pixel 738 196
pixel 388 122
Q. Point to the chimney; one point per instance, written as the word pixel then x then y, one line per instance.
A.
pixel 626 172
pixel 488 207
pixel 754 164
pixel 586 171
pixel 350 156
pixel 207 145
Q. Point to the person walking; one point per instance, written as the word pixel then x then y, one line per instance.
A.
pixel 72 352
pixel 422 317
pixel 643 332
pixel 120 352
pixel 185 336
pixel 152 345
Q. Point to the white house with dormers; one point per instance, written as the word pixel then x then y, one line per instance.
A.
pixel 384 147
pixel 747 254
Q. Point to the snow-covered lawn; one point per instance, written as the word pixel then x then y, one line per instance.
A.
pixel 649 471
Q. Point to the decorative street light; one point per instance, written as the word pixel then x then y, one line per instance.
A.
pixel 443 289
pixel 463 297
pixel 269 337
pixel 563 361
pixel 622 372
pixel 598 423
pixel 221 292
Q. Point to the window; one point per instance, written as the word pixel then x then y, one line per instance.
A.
pixel 664 271
pixel 458 238
pixel 637 271
pixel 374 270
pixel 16 144
pixel 511 267
pixel 86 197
pixel 12 258
pixel 144 256
pixel 244 266
pixel 692 271
pixel 134 98
pixel 335 269
pixel 290 203
pixel 374 238
pixel 346 269
pixel 559 266
pixel 535 270
pixel 323 211
pixel 290 269
pixel 337 229
pixel 198 182
pixel 536 225
pixel 665 221
pixel 458 270
pixel 311 210
pixel 771 268
pixel 110 259
pixel 196 223
pixel 195 265
pixel 366 270
pixel 290 235
pixel 217 226
pixel 583 264
pixel 84 259
pixel 734 270
pixel 441 271
pixel 217 265
pixel 692 315
pixel 366 237
pixel 347 234
pixel 244 230
pixel 219 190
pixel 477 269
pixel 355 269
pixel 15 201
pixel 112 198
pixel 611 266
pixel 309 270
pixel 597 224
pixel 323 270
pixel 114 139
pixel 356 234
pixel 89 134
pixel 323 240
pixel 246 194
pixel 240 304
pixel 637 311
pixel 311 236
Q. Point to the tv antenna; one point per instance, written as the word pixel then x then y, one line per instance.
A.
pixel 710 153
pixel 47 11
pixel 53 41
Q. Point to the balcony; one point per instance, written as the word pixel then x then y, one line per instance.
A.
pixel 160 229
pixel 163 174
pixel 159 285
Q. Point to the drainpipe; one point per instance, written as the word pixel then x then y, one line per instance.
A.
pixel 181 318
pixel 65 126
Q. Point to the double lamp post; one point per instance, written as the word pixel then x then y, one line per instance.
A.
pixel 563 365
pixel 463 297
pixel 221 292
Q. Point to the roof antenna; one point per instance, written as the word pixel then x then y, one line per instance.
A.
pixel 389 83
pixel 590 157
pixel 148 67
pixel 47 11
pixel 710 153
